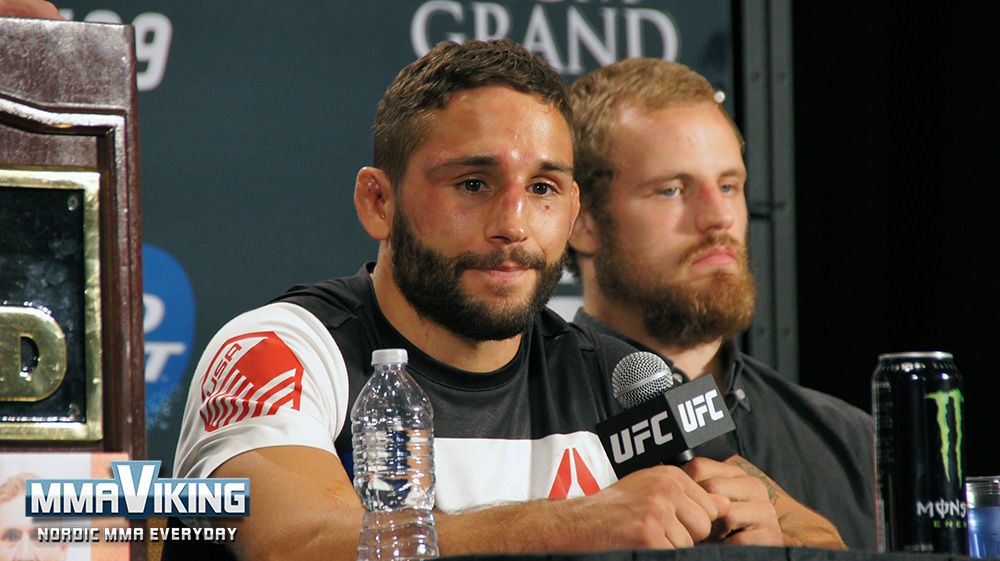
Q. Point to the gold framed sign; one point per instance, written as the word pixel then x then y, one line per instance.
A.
pixel 50 305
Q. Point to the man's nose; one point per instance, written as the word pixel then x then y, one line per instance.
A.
pixel 715 213
pixel 509 210
pixel 25 549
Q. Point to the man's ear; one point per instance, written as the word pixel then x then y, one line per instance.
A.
pixel 584 239
pixel 374 200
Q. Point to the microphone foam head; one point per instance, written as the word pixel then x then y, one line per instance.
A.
pixel 640 377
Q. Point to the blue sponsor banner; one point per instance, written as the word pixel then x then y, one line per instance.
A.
pixel 168 323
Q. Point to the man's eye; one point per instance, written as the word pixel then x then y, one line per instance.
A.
pixel 10 535
pixel 542 189
pixel 669 192
pixel 472 185
pixel 728 188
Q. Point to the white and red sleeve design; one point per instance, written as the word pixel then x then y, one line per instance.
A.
pixel 273 376
pixel 251 375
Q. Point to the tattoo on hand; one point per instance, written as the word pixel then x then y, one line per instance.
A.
pixel 752 470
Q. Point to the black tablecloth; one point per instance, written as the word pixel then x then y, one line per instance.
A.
pixel 721 553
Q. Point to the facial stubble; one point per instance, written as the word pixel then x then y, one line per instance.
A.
pixel 675 313
pixel 431 282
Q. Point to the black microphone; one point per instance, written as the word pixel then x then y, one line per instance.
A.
pixel 663 418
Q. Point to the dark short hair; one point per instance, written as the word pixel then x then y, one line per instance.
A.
pixel 429 82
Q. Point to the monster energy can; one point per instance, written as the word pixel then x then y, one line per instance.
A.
pixel 917 400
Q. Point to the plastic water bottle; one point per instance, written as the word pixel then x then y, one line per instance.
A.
pixel 393 437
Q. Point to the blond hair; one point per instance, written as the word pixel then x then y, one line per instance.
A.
pixel 15 486
pixel 597 99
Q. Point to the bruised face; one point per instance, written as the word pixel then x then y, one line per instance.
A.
pixel 672 237
pixel 480 229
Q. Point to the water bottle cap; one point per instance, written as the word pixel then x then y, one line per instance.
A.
pixel 388 356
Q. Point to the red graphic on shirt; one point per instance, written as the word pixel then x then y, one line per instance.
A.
pixel 564 476
pixel 251 375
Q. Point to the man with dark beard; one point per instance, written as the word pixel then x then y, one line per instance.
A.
pixel 472 199
pixel 660 249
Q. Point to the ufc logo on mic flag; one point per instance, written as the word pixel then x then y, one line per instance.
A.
pixel 622 447
pixel 663 429
pixel 692 412
pixel 251 375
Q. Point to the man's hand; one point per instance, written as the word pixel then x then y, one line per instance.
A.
pixel 658 507
pixel 800 525
pixel 28 9
pixel 661 507
pixel 304 507
pixel 752 520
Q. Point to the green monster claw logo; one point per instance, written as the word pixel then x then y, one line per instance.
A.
pixel 942 399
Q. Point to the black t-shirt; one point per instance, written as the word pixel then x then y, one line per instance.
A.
pixel 522 432
pixel 557 384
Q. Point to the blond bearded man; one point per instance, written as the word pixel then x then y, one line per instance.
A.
pixel 660 248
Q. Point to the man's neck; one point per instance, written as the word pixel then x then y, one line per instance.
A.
pixel 694 361
pixel 430 337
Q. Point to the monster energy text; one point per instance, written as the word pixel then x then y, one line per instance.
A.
pixel 917 399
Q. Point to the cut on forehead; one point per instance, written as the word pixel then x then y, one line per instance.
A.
pixel 430 82
pixel 492 128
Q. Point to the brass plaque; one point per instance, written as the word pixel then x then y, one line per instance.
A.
pixel 50 312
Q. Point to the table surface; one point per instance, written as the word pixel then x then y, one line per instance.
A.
pixel 723 553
